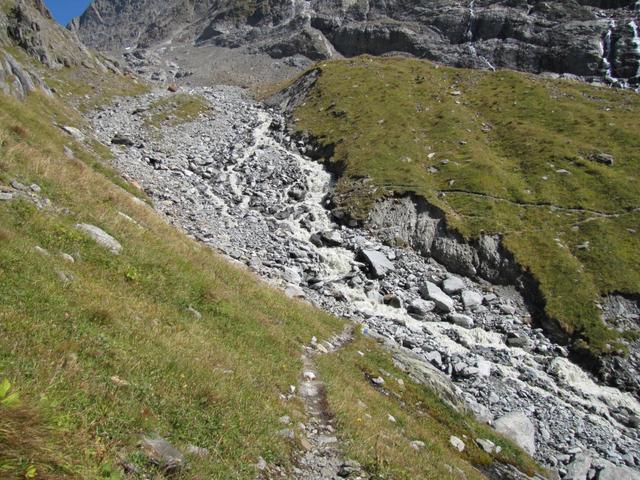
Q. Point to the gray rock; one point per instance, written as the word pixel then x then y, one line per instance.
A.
pixel 294 291
pixel 425 374
pixel 42 251
pixel 162 453
pixel 6 196
pixel 618 473
pixel 457 443
pixel 484 368
pixel 287 433
pixel 74 132
pixel 603 158
pixel 431 291
pixel 517 340
pixel 332 238
pixel 417 444
pixel 452 285
pixel 507 309
pixel 461 320
pixel 349 469
pixel 377 262
pixel 555 36
pixel 471 299
pixel 67 258
pixel 285 420
pixel 486 445
pixel 101 237
pixel 579 468
pixel 419 308
pixel 392 300
pixel 197 451
pixel 120 139
pixel 17 185
pixel 517 427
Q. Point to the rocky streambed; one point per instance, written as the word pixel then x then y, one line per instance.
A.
pixel 236 181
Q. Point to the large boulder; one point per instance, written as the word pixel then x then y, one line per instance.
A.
pixel 377 263
pixel 431 291
pixel 517 427
pixel 578 469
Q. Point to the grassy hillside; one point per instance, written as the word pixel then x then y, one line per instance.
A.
pixel 501 153
pixel 100 349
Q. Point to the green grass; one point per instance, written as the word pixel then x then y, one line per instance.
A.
pixel 177 109
pixel 215 382
pixel 86 89
pixel 503 137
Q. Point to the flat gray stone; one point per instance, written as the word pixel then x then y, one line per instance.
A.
pixel 517 427
pixel 419 307
pixel 578 469
pixel 453 285
pixel 377 262
pixel 456 443
pixel 74 132
pixel 432 292
pixel 162 453
pixel 464 321
pixel 471 299
pixel 486 445
pixel 6 196
pixel 101 237
pixel 618 473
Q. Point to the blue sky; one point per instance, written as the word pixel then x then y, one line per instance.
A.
pixel 65 10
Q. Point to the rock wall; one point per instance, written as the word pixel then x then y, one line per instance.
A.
pixel 594 39
pixel 29 26
pixel 411 221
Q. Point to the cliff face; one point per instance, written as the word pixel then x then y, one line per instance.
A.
pixel 28 25
pixel 596 39
pixel 28 30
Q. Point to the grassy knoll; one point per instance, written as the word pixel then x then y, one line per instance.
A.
pixel 105 349
pixel 499 152
pixel 180 108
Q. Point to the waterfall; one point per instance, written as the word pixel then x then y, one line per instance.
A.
pixel 472 21
pixel 636 40
pixel 606 51
pixel 470 36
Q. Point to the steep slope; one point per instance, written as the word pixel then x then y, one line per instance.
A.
pixel 547 169
pixel 592 39
pixel 121 334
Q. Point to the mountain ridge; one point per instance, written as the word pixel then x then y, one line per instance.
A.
pixel 596 40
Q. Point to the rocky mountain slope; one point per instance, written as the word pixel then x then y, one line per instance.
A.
pixel 495 174
pixel 597 40
pixel 131 350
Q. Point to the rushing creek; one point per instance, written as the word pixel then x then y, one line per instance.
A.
pixel 236 181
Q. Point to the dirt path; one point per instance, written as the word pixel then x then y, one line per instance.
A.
pixel 321 458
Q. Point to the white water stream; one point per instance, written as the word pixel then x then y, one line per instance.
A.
pixel 562 384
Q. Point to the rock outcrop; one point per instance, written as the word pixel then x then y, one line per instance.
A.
pixel 597 40
pixel 28 25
